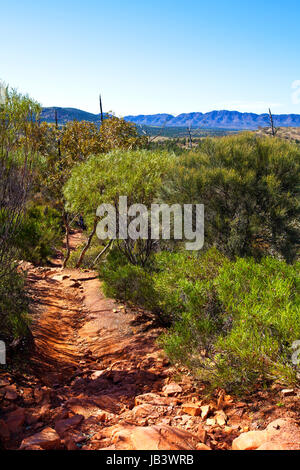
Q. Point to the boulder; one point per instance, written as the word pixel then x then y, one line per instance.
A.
pixel 64 425
pixel 278 434
pixel 47 439
pixel 192 409
pixel 159 437
pixel 171 389
pixel 205 411
pixel 202 446
pixel 154 399
pixel 15 420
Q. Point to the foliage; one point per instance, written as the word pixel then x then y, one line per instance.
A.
pixel 232 322
pixel 171 282
pixel 255 321
pixel 90 256
pixel 119 134
pixel 18 115
pixel 250 189
pixel 104 178
pixel 80 139
pixel 14 318
pixel 40 232
pixel 125 281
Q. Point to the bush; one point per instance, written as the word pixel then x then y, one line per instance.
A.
pixel 39 234
pixel 172 284
pixel 89 257
pixel 125 281
pixel 258 319
pixel 250 188
pixel 14 318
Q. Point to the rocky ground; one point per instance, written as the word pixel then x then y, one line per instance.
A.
pixel 96 379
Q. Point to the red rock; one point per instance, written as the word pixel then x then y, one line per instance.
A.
pixel 171 389
pixel 205 410
pixel 4 382
pixel 4 431
pixel 11 392
pixel 37 414
pixel 143 411
pixel 287 392
pixel 64 425
pixel 70 444
pixel 27 396
pixel 201 446
pixel 202 434
pixel 97 373
pixel 192 409
pixel 221 418
pixel 15 420
pixel 155 399
pixel 250 440
pixel 279 432
pixel 160 437
pixel 279 446
pixel 47 439
pixel 34 447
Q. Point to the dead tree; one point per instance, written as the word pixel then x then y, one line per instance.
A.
pixel 273 128
pixel 101 110
pixel 190 136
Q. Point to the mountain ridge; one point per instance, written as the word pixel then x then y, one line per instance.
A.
pixel 217 119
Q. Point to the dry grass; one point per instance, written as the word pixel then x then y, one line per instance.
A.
pixel 288 133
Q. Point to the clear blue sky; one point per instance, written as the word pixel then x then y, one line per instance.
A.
pixel 154 56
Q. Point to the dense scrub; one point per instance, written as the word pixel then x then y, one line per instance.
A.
pixel 14 319
pixel 39 233
pixel 232 322
pixel 232 311
pixel 250 189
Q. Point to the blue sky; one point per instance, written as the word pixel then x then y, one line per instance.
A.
pixel 154 56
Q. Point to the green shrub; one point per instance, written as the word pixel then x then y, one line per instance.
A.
pixel 39 234
pixel 125 281
pixel 182 280
pixel 173 283
pixel 258 319
pixel 14 318
pixel 250 188
pixel 89 256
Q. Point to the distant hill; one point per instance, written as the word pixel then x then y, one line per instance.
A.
pixel 65 115
pixel 213 120
pixel 217 119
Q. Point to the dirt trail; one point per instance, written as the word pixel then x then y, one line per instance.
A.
pixel 97 379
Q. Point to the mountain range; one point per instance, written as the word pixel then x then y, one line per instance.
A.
pixel 211 120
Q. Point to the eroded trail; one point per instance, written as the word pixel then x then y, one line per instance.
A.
pixel 97 380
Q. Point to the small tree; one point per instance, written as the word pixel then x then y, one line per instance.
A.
pixel 104 178
pixel 18 119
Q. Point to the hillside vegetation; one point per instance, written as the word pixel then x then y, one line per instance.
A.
pixel 231 311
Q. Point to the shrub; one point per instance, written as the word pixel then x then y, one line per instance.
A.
pixel 102 179
pixel 39 234
pixel 250 188
pixel 257 308
pixel 181 280
pixel 125 281
pixel 88 259
pixel 172 284
pixel 14 318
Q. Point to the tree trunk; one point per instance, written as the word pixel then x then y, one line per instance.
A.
pixel 87 243
pixel 68 249
pixel 101 253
